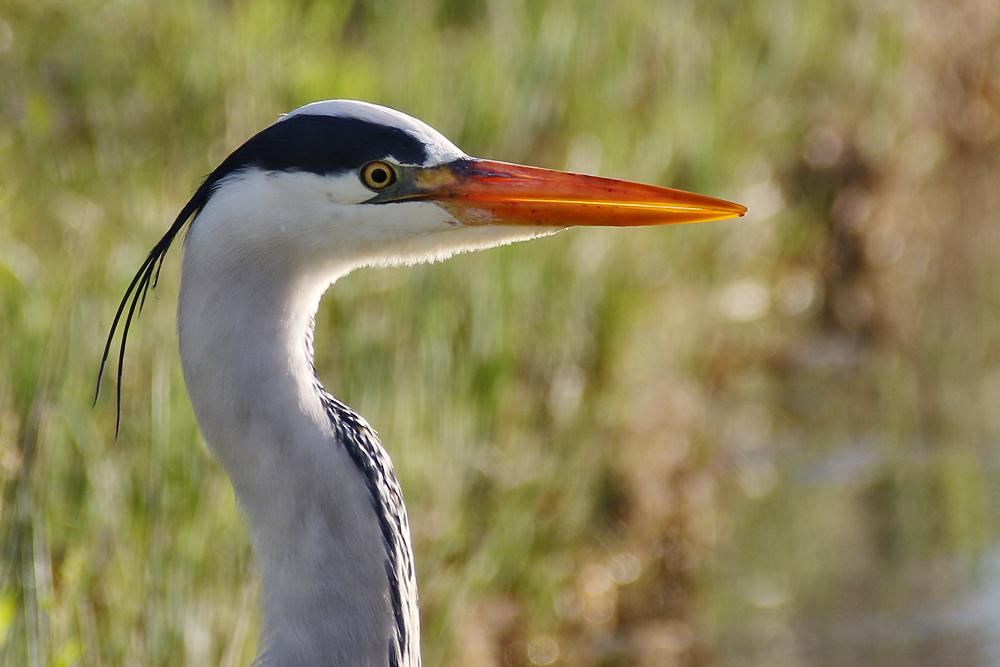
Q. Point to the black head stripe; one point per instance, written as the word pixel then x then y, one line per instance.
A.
pixel 322 145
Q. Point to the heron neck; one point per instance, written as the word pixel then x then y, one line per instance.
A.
pixel 315 526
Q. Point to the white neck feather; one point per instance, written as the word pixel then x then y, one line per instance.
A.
pixel 243 335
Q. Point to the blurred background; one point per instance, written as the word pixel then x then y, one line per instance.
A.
pixel 767 441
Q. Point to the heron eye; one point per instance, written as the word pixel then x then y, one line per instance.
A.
pixel 378 175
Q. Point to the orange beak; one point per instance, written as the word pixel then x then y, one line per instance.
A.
pixel 483 192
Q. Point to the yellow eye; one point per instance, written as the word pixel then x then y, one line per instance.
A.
pixel 378 175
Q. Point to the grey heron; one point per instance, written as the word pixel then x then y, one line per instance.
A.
pixel 328 188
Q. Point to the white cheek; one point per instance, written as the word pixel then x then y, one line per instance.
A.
pixel 344 189
pixel 374 227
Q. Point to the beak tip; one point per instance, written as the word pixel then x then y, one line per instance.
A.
pixel 738 210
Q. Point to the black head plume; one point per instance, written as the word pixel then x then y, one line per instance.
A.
pixel 146 277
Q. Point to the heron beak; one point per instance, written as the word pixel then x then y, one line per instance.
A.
pixel 484 192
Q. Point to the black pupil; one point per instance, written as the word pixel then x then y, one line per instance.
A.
pixel 378 175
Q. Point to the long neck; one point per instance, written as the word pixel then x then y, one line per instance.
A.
pixel 332 541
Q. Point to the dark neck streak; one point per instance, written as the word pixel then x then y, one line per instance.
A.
pixel 369 455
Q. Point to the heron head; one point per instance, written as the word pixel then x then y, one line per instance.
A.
pixel 341 184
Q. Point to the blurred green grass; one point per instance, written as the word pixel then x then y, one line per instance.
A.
pixel 699 445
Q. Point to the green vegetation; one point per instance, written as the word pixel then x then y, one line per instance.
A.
pixel 734 443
